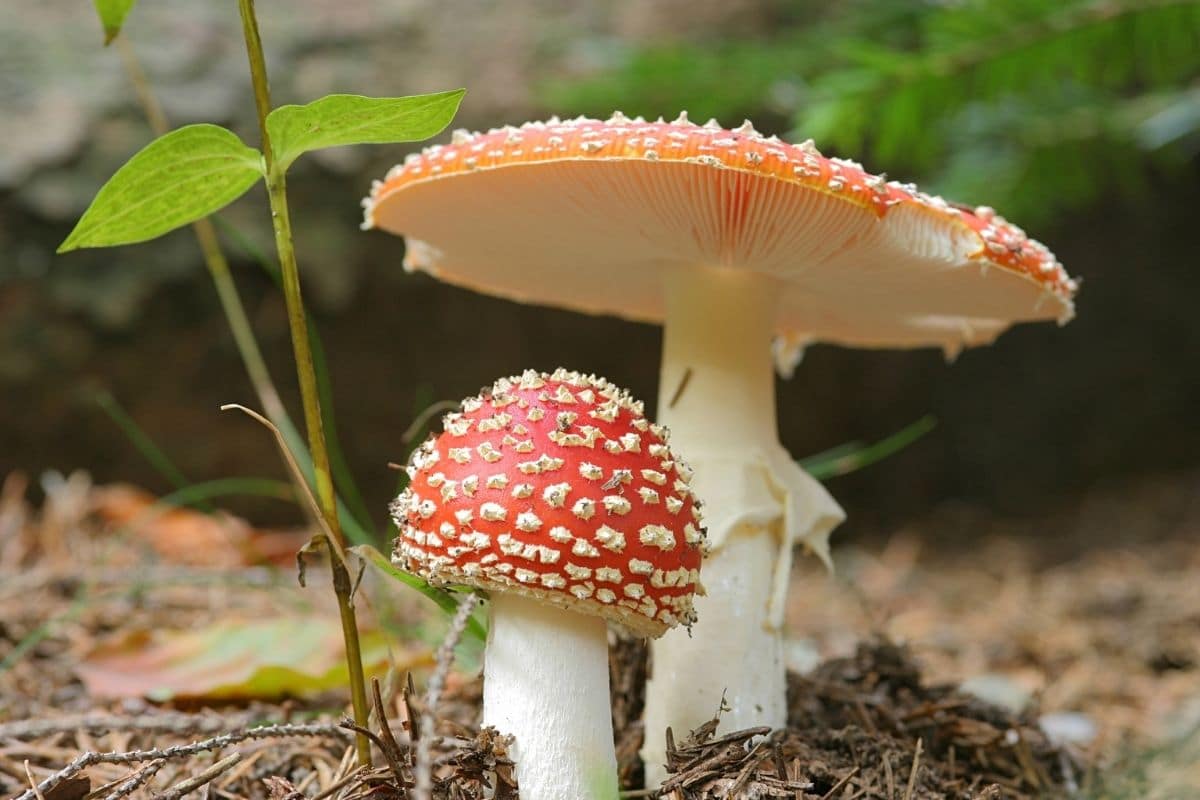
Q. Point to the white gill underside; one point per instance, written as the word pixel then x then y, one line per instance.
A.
pixel 596 237
pixel 757 505
pixel 545 682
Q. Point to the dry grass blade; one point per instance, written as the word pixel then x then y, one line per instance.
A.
pixel 310 501
pixel 737 764
pixel 912 775
pixel 391 748
pixel 35 789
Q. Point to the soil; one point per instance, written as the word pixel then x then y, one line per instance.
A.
pixel 1108 632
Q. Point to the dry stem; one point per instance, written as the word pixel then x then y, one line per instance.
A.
pixel 90 758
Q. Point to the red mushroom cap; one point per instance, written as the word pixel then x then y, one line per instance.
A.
pixel 587 214
pixel 557 487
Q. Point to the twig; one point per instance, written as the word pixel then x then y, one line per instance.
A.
pixel 91 758
pixel 103 723
pixel 393 762
pixel 337 786
pixel 755 758
pixel 35 789
pixel 433 693
pixel 282 788
pixel 139 777
pixel 412 717
pixel 388 744
pixel 838 786
pixel 196 781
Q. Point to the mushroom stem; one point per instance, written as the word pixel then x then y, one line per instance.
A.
pixel 717 338
pixel 718 334
pixel 545 682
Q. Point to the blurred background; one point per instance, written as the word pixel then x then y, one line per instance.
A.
pixel 1077 119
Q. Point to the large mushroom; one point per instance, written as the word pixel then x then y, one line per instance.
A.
pixel 731 240
pixel 555 495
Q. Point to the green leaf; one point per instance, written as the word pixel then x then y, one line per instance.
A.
pixel 178 178
pixel 853 456
pixel 143 441
pixel 112 16
pixel 197 493
pixel 341 119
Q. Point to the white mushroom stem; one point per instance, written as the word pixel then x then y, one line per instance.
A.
pixel 717 397
pixel 545 682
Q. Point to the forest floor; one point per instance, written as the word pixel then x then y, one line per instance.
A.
pixel 1051 656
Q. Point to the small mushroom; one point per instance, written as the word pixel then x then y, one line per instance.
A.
pixel 733 241
pixel 557 497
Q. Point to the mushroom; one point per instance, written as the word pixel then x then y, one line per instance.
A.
pixel 730 239
pixel 555 495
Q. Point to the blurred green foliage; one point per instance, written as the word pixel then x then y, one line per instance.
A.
pixel 1033 106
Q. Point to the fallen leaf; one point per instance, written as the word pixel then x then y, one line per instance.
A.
pixel 186 536
pixel 236 659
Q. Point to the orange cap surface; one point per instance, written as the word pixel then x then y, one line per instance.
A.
pixel 587 214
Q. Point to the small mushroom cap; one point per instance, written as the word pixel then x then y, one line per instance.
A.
pixel 556 487
pixel 586 214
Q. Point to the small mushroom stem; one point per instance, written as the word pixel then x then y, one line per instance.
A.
pixel 545 682
pixel 718 333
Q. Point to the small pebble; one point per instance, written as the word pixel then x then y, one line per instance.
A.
pixel 1068 727
pixel 801 655
pixel 999 690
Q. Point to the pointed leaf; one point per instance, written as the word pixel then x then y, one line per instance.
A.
pixel 178 178
pixel 341 119
pixel 112 16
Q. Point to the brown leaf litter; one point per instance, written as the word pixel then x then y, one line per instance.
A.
pixel 863 727
pixel 1107 629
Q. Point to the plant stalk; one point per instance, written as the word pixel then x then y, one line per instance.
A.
pixel 277 194
pixel 214 257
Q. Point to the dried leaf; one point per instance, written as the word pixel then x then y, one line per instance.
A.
pixel 186 536
pixel 235 659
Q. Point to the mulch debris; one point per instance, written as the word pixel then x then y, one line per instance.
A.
pixel 1109 632
pixel 860 727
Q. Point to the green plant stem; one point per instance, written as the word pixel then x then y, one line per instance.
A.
pixel 142 441
pixel 277 194
pixel 214 259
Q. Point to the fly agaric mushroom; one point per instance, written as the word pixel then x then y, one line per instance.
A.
pixel 728 238
pixel 557 496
